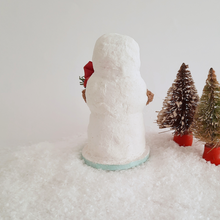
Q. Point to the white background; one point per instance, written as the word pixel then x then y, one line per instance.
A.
pixel 44 45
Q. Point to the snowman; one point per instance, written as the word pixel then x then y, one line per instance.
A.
pixel 116 95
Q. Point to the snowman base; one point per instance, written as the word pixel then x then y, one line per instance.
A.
pixel 124 166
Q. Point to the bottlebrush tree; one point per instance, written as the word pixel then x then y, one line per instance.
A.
pixel 206 125
pixel 180 104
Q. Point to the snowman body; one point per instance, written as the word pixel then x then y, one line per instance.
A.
pixel 116 96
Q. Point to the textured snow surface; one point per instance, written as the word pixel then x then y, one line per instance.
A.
pixel 50 181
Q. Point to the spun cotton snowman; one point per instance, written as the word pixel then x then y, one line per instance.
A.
pixel 116 95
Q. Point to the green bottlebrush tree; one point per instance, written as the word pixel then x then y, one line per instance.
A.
pixel 206 125
pixel 180 104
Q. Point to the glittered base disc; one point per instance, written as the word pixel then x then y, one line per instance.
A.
pixel 115 167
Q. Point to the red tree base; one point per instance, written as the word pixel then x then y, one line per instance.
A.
pixel 212 155
pixel 184 140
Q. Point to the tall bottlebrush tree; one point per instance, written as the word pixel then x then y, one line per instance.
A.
pixel 180 104
pixel 206 125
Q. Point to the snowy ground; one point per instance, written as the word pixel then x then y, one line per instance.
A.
pixel 50 181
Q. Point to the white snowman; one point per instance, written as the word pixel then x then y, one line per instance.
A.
pixel 116 96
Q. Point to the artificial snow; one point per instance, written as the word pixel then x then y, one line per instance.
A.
pixel 49 181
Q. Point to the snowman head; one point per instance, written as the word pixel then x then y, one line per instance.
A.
pixel 116 55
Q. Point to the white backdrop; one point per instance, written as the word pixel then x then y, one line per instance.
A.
pixel 44 45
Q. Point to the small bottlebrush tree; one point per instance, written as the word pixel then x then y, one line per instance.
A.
pixel 206 125
pixel 180 104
